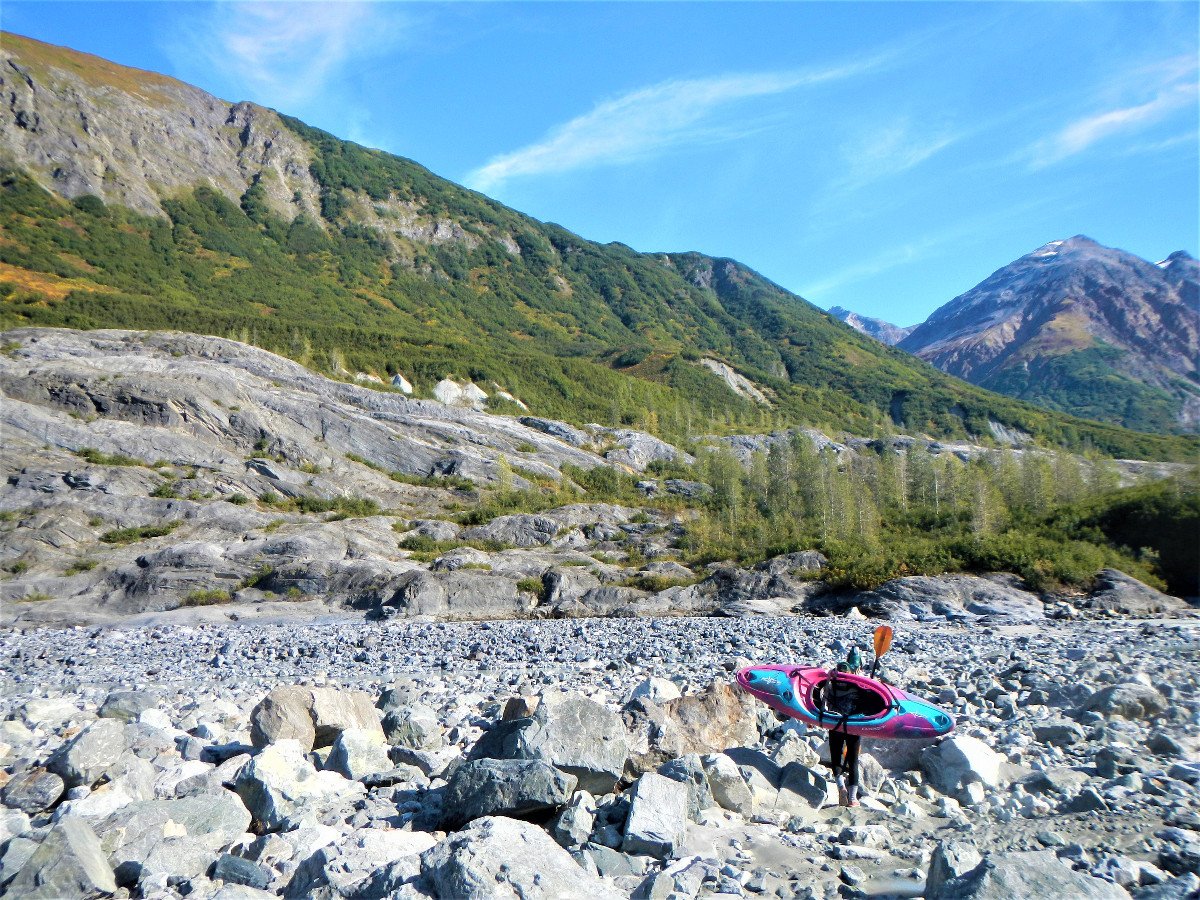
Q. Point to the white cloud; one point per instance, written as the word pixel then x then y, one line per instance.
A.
pixel 889 150
pixel 285 54
pixel 888 259
pixel 645 122
pixel 1176 89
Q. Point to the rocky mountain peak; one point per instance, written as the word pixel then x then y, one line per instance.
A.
pixel 1076 296
pixel 881 330
pixel 82 125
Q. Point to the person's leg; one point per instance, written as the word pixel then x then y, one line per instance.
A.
pixel 837 752
pixel 852 744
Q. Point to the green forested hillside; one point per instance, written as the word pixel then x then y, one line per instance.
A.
pixel 580 331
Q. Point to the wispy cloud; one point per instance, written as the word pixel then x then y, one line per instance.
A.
pixel 891 258
pixel 1173 88
pixel 891 149
pixel 286 54
pixel 646 122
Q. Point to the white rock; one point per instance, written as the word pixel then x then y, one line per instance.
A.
pixel 657 821
pixel 656 690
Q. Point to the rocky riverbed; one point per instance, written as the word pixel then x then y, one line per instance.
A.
pixel 332 757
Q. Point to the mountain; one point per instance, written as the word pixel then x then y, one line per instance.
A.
pixel 884 332
pixel 1082 328
pixel 129 199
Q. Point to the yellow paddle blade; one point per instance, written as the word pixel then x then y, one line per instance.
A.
pixel 883 640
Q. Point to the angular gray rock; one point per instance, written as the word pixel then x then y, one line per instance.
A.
pixel 958 760
pixel 415 727
pixel 950 860
pixel 281 782
pixel 235 870
pixel 504 787
pixel 126 705
pixel 68 863
pixel 358 753
pixel 83 759
pixel 729 788
pixel 689 770
pixel 1028 874
pixel 284 714
pixel 573 826
pixel 33 790
pixel 1127 700
pixel 505 859
pixel 658 814
pixel 579 736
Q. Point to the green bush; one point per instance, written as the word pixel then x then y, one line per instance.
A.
pixel 142 533
pixel 108 459
pixel 206 597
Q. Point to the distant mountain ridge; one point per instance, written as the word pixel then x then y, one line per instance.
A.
pixel 1080 327
pixel 882 331
pixel 128 199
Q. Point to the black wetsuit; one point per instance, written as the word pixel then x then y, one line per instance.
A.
pixel 840 697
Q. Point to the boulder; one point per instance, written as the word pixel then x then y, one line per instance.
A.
pixel 68 863
pixel 499 858
pixel 504 787
pixel 959 760
pixel 573 826
pixel 458 594
pixel 1059 734
pixel 32 791
pixel 950 860
pixel 83 759
pixel 729 788
pixel 235 870
pixel 313 717
pixel 1127 700
pixel 367 864
pixel 1036 873
pixel 579 736
pixel 1117 592
pixel 334 711
pixel 280 782
pixel 689 770
pixel 416 727
pixel 658 814
pixel 357 753
pixel 284 714
pixel 131 832
pixel 681 879
pixel 955 597
pixel 126 705
pixel 706 722
pixel 656 690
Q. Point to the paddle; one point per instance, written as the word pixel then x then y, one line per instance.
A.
pixel 883 643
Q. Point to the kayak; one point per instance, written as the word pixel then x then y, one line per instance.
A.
pixel 881 711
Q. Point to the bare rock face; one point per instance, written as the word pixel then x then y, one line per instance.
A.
pixel 1122 594
pixel 198 139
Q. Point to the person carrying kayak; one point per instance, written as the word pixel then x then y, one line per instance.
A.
pixel 839 699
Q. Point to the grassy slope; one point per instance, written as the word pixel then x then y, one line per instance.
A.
pixel 581 331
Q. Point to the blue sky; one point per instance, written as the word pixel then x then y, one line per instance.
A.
pixel 881 156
